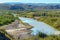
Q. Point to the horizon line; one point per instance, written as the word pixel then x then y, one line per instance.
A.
pixel 29 2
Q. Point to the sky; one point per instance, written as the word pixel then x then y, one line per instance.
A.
pixel 31 1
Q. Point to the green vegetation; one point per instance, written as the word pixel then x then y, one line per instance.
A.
pixel 42 36
pixel 6 18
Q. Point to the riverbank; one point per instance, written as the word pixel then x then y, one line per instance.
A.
pixel 49 17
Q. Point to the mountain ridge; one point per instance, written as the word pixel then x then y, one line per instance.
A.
pixel 28 6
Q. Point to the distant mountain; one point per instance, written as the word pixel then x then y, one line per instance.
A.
pixel 28 6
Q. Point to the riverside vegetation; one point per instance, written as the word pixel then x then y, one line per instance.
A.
pixel 51 17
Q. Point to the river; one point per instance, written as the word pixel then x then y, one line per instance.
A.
pixel 40 27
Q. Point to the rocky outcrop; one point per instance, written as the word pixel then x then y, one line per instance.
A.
pixel 18 30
